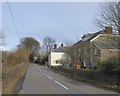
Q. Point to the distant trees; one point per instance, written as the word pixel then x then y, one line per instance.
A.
pixel 44 60
pixel 109 16
pixel 32 46
pixel 48 43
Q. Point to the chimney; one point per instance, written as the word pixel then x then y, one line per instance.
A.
pixel 108 30
pixel 62 45
pixel 55 46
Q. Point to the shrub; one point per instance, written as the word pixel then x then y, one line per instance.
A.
pixel 112 66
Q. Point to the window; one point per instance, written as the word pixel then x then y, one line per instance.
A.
pixel 95 52
pixel 56 61
pixel 84 63
pixel 85 50
pixel 78 61
pixel 79 50
pixel 74 51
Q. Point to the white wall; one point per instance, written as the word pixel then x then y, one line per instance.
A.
pixel 53 56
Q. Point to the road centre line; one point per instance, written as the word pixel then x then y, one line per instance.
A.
pixel 52 78
pixel 61 85
pixel 49 76
pixel 39 69
pixel 44 73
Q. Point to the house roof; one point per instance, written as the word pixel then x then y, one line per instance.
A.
pixel 60 49
pixel 90 36
pixel 101 40
pixel 78 42
pixel 107 42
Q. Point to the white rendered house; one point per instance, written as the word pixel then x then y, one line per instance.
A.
pixel 54 57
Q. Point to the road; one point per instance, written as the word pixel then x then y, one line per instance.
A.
pixel 42 80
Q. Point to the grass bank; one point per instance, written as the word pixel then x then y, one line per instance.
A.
pixel 14 67
pixel 11 76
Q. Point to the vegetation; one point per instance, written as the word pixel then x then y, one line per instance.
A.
pixel 96 77
pixel 111 66
pixel 65 61
pixel 32 46
pixel 48 43
pixel 15 64
pixel 44 60
pixel 109 16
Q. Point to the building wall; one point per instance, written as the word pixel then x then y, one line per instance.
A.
pixel 107 54
pixel 53 56
pixel 76 49
pixel 102 54
pixel 95 55
pixel 81 54
pixel 87 54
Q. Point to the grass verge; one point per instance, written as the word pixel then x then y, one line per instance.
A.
pixel 11 78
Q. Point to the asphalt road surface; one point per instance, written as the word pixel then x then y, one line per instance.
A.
pixel 42 80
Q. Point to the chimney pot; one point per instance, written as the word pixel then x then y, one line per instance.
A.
pixel 62 45
pixel 108 30
pixel 55 46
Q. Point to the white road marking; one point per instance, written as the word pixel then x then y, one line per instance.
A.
pixel 44 73
pixel 38 69
pixel 61 84
pixel 49 77
pixel 52 78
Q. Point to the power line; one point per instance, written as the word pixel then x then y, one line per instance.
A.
pixel 13 20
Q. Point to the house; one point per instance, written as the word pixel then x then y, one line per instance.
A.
pixel 104 47
pixel 101 45
pixel 56 56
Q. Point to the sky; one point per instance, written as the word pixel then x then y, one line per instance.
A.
pixel 64 21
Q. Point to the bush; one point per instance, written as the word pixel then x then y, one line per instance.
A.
pixel 111 67
pixel 43 60
pixel 15 57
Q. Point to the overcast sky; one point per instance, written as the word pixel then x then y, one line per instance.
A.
pixel 62 21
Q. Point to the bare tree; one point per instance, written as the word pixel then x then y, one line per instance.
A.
pixel 69 43
pixel 2 38
pixel 66 60
pixel 109 16
pixel 48 43
pixel 32 47
pixel 30 44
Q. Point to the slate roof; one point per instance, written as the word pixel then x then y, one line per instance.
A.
pixel 60 49
pixel 108 42
pixel 91 36
pixel 103 41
